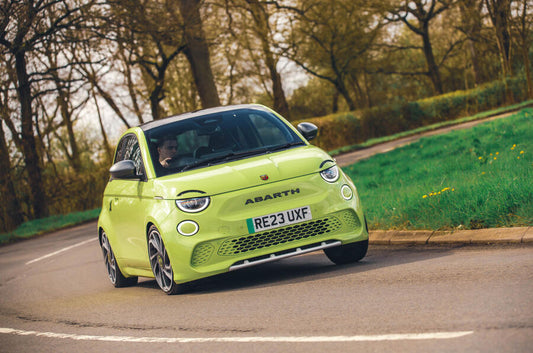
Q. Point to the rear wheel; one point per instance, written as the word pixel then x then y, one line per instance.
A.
pixel 160 263
pixel 115 275
pixel 348 253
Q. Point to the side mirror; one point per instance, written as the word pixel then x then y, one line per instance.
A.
pixel 308 130
pixel 123 170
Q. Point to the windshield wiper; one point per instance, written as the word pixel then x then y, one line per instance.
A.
pixel 234 155
pixel 287 145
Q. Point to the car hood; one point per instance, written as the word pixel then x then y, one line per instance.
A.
pixel 243 173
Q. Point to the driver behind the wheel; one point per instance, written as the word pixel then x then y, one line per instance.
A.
pixel 167 149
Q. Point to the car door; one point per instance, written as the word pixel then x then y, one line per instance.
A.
pixel 126 207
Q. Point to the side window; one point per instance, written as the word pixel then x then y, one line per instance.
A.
pixel 122 148
pixel 128 148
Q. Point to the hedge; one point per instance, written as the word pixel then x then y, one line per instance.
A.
pixel 350 128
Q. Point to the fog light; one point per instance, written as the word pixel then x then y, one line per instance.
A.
pixel 346 192
pixel 188 228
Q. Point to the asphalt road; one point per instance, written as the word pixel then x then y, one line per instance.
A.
pixel 56 297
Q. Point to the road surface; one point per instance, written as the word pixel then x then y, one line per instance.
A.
pixel 56 297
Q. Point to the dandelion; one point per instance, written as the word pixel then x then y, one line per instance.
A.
pixel 522 152
pixel 497 153
pixel 495 158
pixel 425 196
pixel 512 148
pixel 480 158
pixel 482 173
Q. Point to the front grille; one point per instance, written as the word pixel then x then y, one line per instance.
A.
pixel 283 235
pixel 201 254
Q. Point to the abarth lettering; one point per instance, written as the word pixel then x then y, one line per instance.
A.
pixel 272 196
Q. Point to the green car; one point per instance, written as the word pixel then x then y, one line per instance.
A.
pixel 216 190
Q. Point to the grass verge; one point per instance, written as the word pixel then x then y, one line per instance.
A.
pixel 475 178
pixel 44 225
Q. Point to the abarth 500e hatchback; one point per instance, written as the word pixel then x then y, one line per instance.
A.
pixel 220 189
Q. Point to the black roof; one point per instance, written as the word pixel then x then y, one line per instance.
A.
pixel 160 122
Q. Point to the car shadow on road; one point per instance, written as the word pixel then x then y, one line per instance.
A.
pixel 308 268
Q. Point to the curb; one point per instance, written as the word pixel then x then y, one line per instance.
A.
pixel 515 235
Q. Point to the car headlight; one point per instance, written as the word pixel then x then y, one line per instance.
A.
pixel 331 174
pixel 193 205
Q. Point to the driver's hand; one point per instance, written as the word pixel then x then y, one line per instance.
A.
pixel 166 162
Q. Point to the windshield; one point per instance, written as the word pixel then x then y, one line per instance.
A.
pixel 217 138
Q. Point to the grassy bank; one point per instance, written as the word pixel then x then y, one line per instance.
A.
pixel 476 178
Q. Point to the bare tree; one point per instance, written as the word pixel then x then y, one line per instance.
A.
pixel 256 35
pixel 417 15
pixel 331 41
pixel 11 210
pixel 25 26
pixel 522 24
pixel 471 19
pixel 500 15
pixel 197 52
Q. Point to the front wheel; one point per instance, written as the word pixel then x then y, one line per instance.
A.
pixel 160 263
pixel 113 271
pixel 348 253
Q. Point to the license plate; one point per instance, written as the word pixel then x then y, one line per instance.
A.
pixel 279 219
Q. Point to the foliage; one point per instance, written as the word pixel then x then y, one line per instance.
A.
pixel 476 178
pixel 345 129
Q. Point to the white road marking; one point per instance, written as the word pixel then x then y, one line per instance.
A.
pixel 295 339
pixel 60 251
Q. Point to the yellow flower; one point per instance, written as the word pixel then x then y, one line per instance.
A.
pixel 522 152
pixel 495 158
pixel 497 153
pixel 445 189
pixel 425 196
pixel 482 173
pixel 480 158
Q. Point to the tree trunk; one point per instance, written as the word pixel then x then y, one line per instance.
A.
pixel 74 154
pixel 31 158
pixel 499 11
pixel 433 69
pixel 341 87
pixel 335 102
pixel 197 53
pixel 471 21
pixel 11 210
pixel 261 19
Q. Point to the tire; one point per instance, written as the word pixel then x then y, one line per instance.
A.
pixel 160 263
pixel 113 271
pixel 347 254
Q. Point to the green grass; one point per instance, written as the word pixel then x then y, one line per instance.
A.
pixel 43 225
pixel 378 140
pixel 476 178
